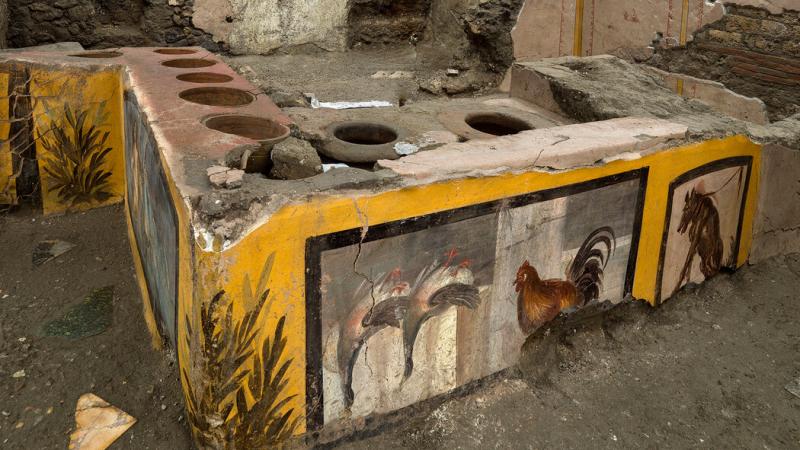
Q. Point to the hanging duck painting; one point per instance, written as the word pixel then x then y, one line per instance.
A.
pixel 390 320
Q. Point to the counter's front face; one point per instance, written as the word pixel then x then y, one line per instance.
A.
pixel 418 307
pixel 385 300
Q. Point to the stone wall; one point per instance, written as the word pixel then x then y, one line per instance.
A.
pixel 751 51
pixel 259 27
pixel 105 23
pixel 386 21
pixel 264 26
pixel 470 34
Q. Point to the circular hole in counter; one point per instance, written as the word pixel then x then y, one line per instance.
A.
pixel 364 133
pixel 361 142
pixel 496 124
pixel 188 63
pixel 217 96
pixel 204 77
pixel 175 51
pixel 97 55
pixel 251 127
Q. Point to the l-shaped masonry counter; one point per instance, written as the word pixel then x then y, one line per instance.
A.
pixel 350 295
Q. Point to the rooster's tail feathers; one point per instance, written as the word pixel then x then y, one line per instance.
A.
pixel 586 270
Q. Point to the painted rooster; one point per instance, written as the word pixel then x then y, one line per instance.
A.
pixel 381 304
pixel 437 288
pixel 539 301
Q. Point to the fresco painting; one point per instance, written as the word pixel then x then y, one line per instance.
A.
pixel 227 370
pixel 18 172
pixel 8 191
pixel 153 219
pixel 559 255
pixel 403 299
pixel 703 224
pixel 8 187
pixel 420 308
pixel 74 158
pixel 77 121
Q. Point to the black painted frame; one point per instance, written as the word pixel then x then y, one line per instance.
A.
pixel 316 245
pixel 714 166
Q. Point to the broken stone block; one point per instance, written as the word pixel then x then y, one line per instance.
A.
pixel 97 424
pixel 293 159
pixel 218 179
pixel 225 177
pixel 287 99
pixel 235 178
pixel 216 169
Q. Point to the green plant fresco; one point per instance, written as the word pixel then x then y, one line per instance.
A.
pixel 228 364
pixel 75 152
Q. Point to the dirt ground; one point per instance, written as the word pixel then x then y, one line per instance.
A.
pixel 335 76
pixel 118 365
pixel 707 369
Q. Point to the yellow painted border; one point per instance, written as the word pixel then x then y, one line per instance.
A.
pixel 285 233
pixel 577 44
pixel 8 182
pixel 202 273
pixel 185 286
pixel 683 37
pixel 78 87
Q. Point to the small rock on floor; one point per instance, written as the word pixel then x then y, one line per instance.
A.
pixel 97 424
pixel 47 250
pixel 794 387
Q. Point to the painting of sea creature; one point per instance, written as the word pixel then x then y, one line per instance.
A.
pixel 704 216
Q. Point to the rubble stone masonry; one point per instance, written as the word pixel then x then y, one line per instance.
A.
pixel 105 23
pixel 751 51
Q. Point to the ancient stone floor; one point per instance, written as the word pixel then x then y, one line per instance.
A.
pixel 708 369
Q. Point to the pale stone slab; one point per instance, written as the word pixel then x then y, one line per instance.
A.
pixel 773 6
pixel 716 95
pixel 98 424
pixel 564 147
